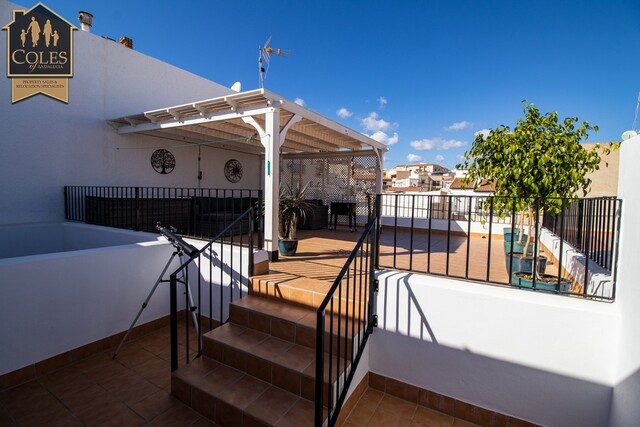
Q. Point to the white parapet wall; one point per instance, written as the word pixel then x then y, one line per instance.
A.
pixel 599 280
pixel 55 302
pixel 539 357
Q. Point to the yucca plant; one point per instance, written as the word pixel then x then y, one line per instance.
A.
pixel 293 207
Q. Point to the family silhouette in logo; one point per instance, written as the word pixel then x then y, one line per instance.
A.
pixel 34 29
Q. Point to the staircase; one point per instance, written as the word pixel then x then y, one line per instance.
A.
pixel 259 368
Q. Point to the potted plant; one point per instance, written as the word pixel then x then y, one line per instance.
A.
pixel 534 167
pixel 293 207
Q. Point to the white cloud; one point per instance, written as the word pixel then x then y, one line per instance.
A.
pixel 413 158
pixel 460 157
pixel 299 101
pixel 382 101
pixel 384 138
pixel 439 158
pixel 460 125
pixel 484 132
pixel 436 144
pixel 371 123
pixel 343 113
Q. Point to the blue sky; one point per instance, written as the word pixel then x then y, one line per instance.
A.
pixel 424 76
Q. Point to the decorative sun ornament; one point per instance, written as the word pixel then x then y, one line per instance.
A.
pixel 233 170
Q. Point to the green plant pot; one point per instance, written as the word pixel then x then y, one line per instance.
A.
pixel 522 263
pixel 518 247
pixel 287 247
pixel 517 280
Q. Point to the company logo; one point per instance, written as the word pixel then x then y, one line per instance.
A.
pixel 39 53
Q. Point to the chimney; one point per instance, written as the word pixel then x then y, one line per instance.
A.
pixel 86 19
pixel 126 41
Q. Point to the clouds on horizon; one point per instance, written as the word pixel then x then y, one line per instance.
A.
pixel 299 101
pixel 384 138
pixel 460 125
pixel 343 113
pixel 484 132
pixel 436 143
pixel 413 158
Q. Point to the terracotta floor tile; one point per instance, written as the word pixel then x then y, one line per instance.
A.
pixel 385 418
pixel 155 404
pixel 220 379
pixel 177 416
pixel 100 410
pixel 296 357
pixel 83 397
pixel 244 391
pixel 431 418
pixel 300 414
pixel 26 399
pixel 271 348
pixel 402 408
pixel 271 405
pixel 5 418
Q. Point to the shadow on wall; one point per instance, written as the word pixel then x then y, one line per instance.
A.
pixel 490 347
pixel 527 393
pixel 425 328
pixel 625 410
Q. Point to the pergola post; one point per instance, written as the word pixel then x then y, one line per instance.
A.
pixel 272 182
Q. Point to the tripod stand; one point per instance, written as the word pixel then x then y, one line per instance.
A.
pixel 179 252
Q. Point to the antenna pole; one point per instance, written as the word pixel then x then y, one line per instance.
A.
pixel 635 120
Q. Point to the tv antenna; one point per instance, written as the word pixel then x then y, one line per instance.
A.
pixel 635 120
pixel 264 58
pixel 634 131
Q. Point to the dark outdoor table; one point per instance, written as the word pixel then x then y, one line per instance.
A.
pixel 343 208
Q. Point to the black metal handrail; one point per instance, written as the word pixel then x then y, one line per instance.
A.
pixel 589 225
pixel 194 212
pixel 459 237
pixel 344 321
pixel 234 238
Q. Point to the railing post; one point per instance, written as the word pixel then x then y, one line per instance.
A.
pixel 376 261
pixel 173 311
pixel 319 391
pixel 138 210
pixel 250 266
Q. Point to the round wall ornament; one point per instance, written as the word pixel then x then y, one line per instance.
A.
pixel 233 170
pixel 163 161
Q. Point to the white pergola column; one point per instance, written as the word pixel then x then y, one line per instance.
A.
pixel 271 140
pixel 272 182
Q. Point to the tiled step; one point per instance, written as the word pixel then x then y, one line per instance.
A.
pixel 309 292
pixel 231 397
pixel 284 364
pixel 296 324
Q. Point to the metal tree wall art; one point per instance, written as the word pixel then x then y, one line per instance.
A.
pixel 163 161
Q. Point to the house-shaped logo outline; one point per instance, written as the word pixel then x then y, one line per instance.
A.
pixel 8 26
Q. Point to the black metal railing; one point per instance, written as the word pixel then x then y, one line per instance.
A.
pixel 345 320
pixel 226 262
pixel 433 234
pixel 194 212
pixel 590 226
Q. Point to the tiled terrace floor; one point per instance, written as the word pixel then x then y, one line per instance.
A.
pixel 134 390
pixel 322 253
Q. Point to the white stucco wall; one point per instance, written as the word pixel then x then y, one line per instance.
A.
pixel 625 410
pixel 539 357
pixel 46 144
pixel 58 302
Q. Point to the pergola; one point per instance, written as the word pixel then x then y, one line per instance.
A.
pixel 258 122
